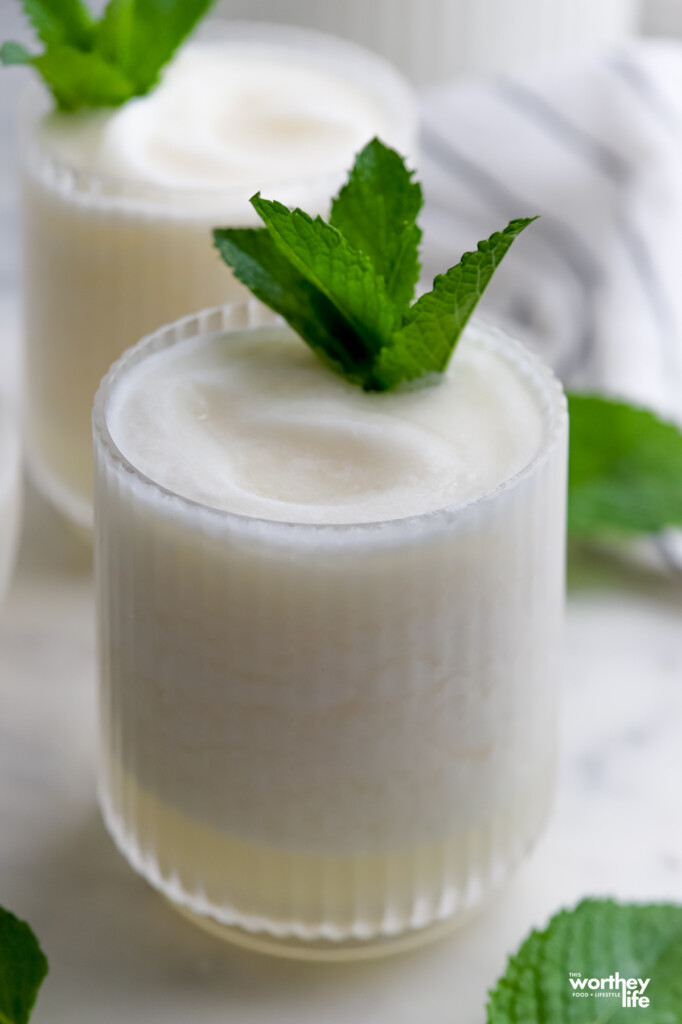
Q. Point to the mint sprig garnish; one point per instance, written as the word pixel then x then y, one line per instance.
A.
pixel 597 941
pixel 432 326
pixel 376 212
pixel 345 276
pixel 346 286
pixel 22 969
pixel 625 469
pixel 88 63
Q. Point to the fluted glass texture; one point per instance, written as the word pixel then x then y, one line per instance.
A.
pixel 435 40
pixel 332 734
pixel 107 260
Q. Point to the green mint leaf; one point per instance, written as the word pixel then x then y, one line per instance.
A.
pixel 346 286
pixel 345 276
pixel 141 36
pixel 114 33
pixel 102 64
pixel 14 53
pixel 80 79
pixel 595 941
pixel 258 263
pixel 434 324
pixel 22 969
pixel 625 469
pixel 61 22
pixel 377 212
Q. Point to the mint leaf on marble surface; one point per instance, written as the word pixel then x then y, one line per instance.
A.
pixel 23 967
pixel 625 469
pixel 105 63
pixel 360 271
pixel 553 977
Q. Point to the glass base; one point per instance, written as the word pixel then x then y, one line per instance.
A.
pixel 322 951
pixel 309 906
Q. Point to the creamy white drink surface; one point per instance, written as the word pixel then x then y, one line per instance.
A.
pixel 225 116
pixel 119 206
pixel 255 424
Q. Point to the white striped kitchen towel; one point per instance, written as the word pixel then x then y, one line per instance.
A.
pixel 595 148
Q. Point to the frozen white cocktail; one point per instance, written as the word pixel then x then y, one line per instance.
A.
pixel 329 615
pixel 119 203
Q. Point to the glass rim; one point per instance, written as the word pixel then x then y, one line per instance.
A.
pixel 215 320
pixel 379 77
